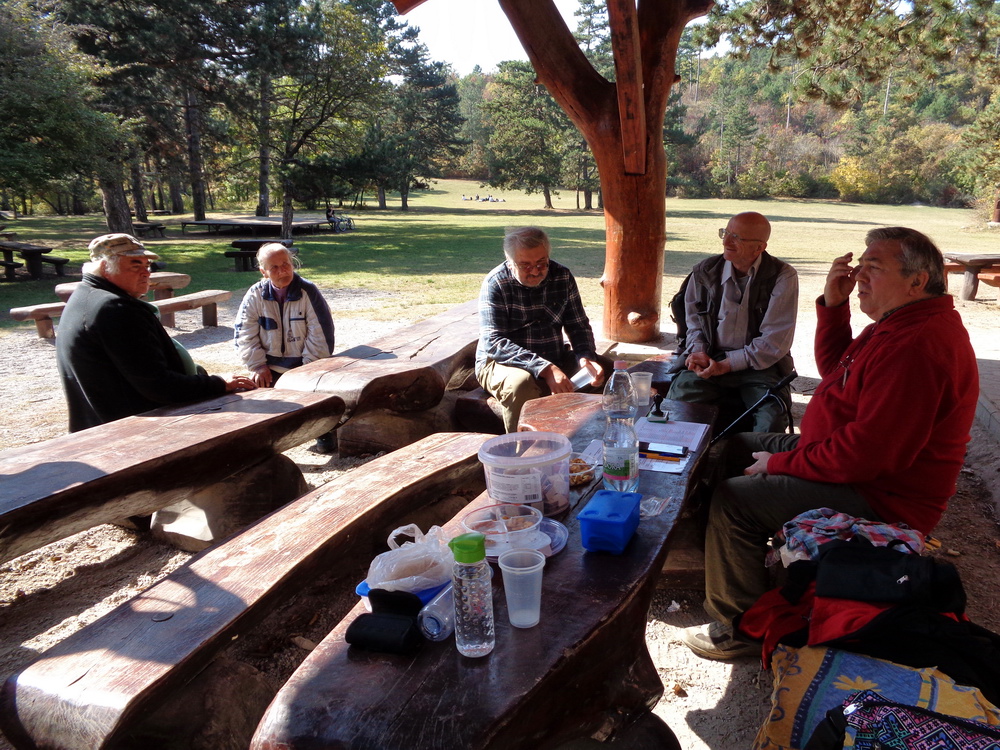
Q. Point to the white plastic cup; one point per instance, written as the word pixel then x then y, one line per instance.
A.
pixel 522 584
pixel 643 383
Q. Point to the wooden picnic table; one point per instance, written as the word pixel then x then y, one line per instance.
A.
pixel 161 283
pixel 32 255
pixel 973 264
pixel 583 671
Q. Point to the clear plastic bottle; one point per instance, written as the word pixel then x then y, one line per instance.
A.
pixel 619 394
pixel 621 456
pixel 436 619
pixel 474 635
pixel 621 445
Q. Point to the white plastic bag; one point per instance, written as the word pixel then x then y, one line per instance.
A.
pixel 424 563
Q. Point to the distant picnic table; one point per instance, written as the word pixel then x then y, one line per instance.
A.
pixel 973 263
pixel 254 225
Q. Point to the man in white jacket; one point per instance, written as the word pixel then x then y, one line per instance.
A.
pixel 283 322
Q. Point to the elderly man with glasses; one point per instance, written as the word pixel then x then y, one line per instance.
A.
pixel 740 312
pixel 525 305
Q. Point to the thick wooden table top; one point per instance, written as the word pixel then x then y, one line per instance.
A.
pixel 158 280
pixel 138 464
pixel 584 669
pixel 22 247
pixel 974 260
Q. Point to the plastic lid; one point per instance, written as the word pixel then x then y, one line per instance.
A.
pixel 469 548
pixel 621 364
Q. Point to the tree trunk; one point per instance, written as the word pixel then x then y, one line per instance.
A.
pixel 287 211
pixel 634 199
pixel 404 192
pixel 264 136
pixel 116 210
pixel 588 199
pixel 192 117
pixel 548 196
pixel 380 193
pixel 138 201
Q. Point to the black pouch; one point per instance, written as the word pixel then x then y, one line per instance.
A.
pixel 861 571
pixel 391 626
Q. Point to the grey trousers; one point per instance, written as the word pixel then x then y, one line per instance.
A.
pixel 746 511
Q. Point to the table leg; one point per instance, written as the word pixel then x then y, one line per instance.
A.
pixel 970 284
pixel 33 262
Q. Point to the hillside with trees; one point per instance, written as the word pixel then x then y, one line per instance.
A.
pixel 269 105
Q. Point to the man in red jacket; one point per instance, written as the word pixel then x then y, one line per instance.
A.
pixel 883 437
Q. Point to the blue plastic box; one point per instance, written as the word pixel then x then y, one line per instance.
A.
pixel 609 521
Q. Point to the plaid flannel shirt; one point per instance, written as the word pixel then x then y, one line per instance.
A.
pixel 522 326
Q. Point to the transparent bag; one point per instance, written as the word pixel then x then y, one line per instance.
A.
pixel 424 563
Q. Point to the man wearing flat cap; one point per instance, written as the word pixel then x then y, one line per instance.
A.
pixel 114 357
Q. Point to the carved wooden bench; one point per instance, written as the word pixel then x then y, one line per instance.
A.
pixel 59 263
pixel 91 689
pixel 402 387
pixel 139 464
pixel 990 278
pixel 207 300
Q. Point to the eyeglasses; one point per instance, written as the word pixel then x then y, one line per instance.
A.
pixel 529 267
pixel 723 233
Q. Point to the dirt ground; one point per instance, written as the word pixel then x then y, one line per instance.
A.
pixel 48 594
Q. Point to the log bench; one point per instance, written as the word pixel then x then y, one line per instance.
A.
pixel 58 263
pixel 93 688
pixel 139 464
pixel 990 278
pixel 207 300
pixel 401 387
pixel 9 269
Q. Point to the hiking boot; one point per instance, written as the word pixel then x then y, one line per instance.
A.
pixel 716 641
pixel 325 444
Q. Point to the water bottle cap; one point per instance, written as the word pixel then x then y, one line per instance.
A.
pixel 469 548
pixel 621 364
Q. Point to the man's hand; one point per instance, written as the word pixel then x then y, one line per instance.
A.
pixel 594 368
pixel 697 362
pixel 705 367
pixel 262 378
pixel 557 381
pixel 239 383
pixel 720 367
pixel 759 466
pixel 840 281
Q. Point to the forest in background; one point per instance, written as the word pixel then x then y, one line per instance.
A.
pixel 268 105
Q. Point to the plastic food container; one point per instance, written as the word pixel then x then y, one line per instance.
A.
pixel 530 468
pixel 582 471
pixel 609 521
pixel 507 526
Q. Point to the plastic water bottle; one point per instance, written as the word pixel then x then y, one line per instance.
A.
pixel 436 619
pixel 621 445
pixel 473 593
pixel 619 394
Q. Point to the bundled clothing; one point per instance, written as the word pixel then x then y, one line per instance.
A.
pixel 115 359
pixel 283 334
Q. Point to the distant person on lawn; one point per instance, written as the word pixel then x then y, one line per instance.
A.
pixel 283 322
pixel 525 305
pixel 115 359
pixel 883 437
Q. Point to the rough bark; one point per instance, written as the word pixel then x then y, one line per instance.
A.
pixel 634 203
pixel 138 200
pixel 264 135
pixel 116 210
pixel 192 117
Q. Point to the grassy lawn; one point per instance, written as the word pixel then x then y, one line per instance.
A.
pixel 436 254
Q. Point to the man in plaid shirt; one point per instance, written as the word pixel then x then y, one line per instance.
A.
pixel 525 304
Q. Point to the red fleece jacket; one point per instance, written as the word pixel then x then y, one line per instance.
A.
pixel 893 412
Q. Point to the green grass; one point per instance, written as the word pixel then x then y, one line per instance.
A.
pixel 436 254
